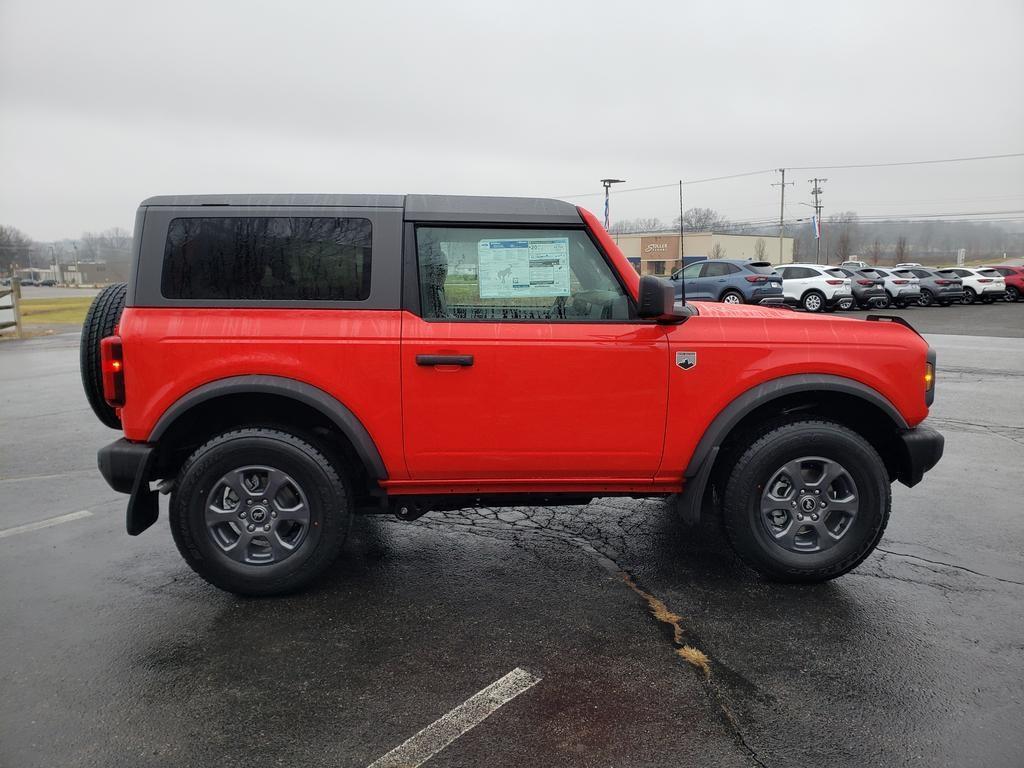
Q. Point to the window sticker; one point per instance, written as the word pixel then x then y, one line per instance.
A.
pixel 517 267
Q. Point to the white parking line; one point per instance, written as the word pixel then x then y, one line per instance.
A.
pixel 440 733
pixel 44 523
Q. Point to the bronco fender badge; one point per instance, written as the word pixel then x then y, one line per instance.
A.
pixel 686 360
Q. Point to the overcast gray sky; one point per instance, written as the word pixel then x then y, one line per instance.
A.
pixel 105 103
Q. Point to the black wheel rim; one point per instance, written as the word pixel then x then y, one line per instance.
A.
pixel 809 504
pixel 257 515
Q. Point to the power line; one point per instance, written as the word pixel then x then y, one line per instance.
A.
pixel 806 168
pixel 907 162
pixel 674 184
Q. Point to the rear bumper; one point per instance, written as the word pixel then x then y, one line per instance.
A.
pixel 837 299
pixel 771 301
pixel 126 467
pixel 911 295
pixel 921 449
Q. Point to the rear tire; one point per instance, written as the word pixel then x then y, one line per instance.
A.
pixel 103 315
pixel 760 505
pixel 813 301
pixel 732 297
pixel 259 512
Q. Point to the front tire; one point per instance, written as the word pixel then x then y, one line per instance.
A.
pixel 970 296
pixel 1012 294
pixel 259 512
pixel 807 501
pixel 927 298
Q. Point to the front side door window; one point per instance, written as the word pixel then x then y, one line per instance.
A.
pixel 515 274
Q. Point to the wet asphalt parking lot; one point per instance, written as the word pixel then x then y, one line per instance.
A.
pixel 115 654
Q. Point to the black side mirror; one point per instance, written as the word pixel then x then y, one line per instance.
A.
pixel 658 301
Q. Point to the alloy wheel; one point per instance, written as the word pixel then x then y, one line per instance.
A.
pixel 809 504
pixel 257 515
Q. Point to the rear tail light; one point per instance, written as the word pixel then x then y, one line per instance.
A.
pixel 943 282
pixel 865 282
pixel 834 282
pixel 900 282
pixel 984 279
pixel 757 279
pixel 112 366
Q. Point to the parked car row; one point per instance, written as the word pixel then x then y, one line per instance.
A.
pixel 851 285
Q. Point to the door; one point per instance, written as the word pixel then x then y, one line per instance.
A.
pixel 695 287
pixel 525 360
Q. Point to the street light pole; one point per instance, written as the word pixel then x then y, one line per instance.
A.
pixel 607 186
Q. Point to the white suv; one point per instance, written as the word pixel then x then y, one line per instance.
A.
pixel 814 287
pixel 984 285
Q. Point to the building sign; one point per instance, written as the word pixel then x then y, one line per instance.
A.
pixel 659 248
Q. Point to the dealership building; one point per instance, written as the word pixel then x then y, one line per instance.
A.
pixel 661 253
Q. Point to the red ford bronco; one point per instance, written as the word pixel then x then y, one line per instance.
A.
pixel 280 363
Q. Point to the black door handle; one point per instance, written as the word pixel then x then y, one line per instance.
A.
pixel 463 360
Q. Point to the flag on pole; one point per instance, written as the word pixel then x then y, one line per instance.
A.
pixel 817 227
pixel 606 222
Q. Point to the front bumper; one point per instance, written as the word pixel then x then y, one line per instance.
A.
pixel 920 450
pixel 126 466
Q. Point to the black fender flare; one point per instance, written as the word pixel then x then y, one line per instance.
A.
pixel 300 391
pixel 698 470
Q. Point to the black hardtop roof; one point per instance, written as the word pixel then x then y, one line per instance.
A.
pixel 438 208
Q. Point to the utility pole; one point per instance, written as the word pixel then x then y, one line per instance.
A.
pixel 782 208
pixel 608 185
pixel 816 191
pixel 682 242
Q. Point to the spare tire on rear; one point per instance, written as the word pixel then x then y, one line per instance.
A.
pixel 100 321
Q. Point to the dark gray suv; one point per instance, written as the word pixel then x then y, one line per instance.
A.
pixel 936 287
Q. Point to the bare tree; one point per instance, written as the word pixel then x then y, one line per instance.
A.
pixel 629 226
pixel 845 226
pixel 875 252
pixel 902 249
pixel 113 244
pixel 759 249
pixel 717 251
pixel 701 220
pixel 15 248
pixel 796 249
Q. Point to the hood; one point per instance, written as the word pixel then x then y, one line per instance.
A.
pixel 753 311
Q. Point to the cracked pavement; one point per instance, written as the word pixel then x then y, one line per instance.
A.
pixel 656 647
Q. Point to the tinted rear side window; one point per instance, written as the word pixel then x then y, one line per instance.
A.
pixel 716 269
pixel 268 258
